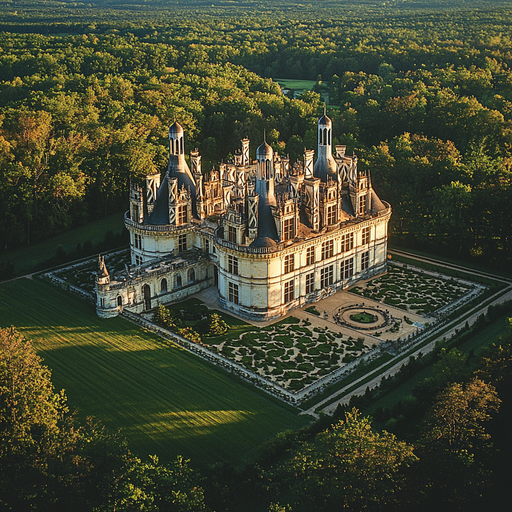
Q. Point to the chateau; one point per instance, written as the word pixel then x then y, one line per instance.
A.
pixel 270 236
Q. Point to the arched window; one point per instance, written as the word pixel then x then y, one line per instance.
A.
pixel 178 281
pixel 119 300
pixel 191 275
pixel 163 286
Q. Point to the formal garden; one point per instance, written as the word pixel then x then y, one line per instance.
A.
pixel 292 352
pixel 412 290
pixel 84 274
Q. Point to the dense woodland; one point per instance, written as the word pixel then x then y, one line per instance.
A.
pixel 424 97
pixel 422 92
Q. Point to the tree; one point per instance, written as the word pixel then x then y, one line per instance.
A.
pixel 455 421
pixel 216 325
pixel 29 407
pixel 349 466
pixel 162 316
pixel 49 463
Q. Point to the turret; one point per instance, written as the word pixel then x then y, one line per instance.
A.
pixel 103 277
pixel 325 165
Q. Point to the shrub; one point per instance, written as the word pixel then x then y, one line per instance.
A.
pixel 216 325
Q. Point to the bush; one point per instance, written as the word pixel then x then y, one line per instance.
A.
pixel 216 325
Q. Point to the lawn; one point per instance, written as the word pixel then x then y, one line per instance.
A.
pixel 27 257
pixel 166 400
pixel 296 85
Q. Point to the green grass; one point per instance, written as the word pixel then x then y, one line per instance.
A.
pixel 166 400
pixel 296 85
pixel 27 257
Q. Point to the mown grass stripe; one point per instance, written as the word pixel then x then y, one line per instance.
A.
pixel 166 400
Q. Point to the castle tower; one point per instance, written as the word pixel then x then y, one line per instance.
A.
pixel 325 165
pixel 177 165
pixel 267 231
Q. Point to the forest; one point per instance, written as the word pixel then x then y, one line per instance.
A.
pixel 420 91
pixel 424 97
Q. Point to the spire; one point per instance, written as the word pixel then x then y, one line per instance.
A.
pixel 103 276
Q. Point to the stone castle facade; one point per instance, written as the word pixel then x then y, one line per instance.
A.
pixel 268 235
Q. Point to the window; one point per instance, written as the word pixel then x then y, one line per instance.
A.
pixel 365 236
pixel 178 281
pixel 182 214
pixel 233 293
pixel 102 303
pixel 138 260
pixel 327 249
pixel 232 233
pixel 289 263
pixel 347 268
pixel 119 300
pixel 365 260
pixel 182 243
pixel 310 255
pixel 288 291
pixel 347 242
pixel 137 241
pixel 232 265
pixel 326 277
pixel 310 282
pixel 191 275
pixel 331 215
pixel 135 214
pixel 288 231
pixel 163 286
pixel 362 204
pixel 206 245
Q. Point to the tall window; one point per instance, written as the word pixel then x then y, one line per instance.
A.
pixel 347 268
pixel 362 204
pixel 233 293
pixel 347 242
pixel 310 255
pixel 327 249
pixel 232 233
pixel 182 243
pixel 182 214
pixel 365 236
pixel 326 276
pixel 119 301
pixel 178 281
pixel 233 265
pixel 331 215
pixel 310 282
pixel 206 245
pixel 137 241
pixel 288 231
pixel 191 275
pixel 138 260
pixel 289 263
pixel 365 260
pixel 163 286
pixel 288 291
